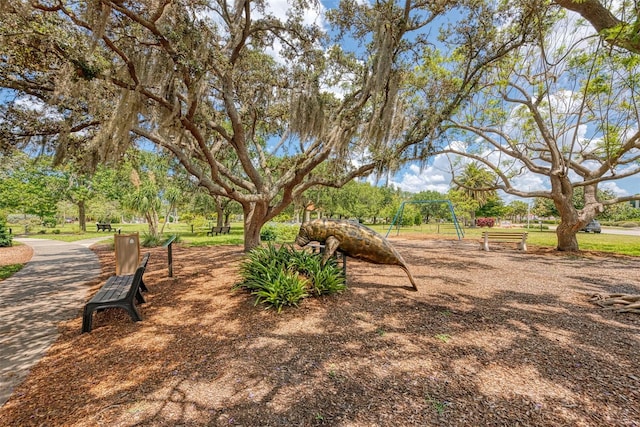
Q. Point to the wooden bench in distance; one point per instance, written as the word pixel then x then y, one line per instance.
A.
pixel 117 292
pixel 497 236
pixel 103 227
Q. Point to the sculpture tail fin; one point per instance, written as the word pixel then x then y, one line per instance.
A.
pixel 413 282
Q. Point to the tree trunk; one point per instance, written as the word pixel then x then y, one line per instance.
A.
pixel 567 239
pixel 255 216
pixel 82 216
pixel 152 220
pixel 569 219
pixel 219 214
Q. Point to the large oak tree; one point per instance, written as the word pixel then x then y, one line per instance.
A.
pixel 565 113
pixel 250 103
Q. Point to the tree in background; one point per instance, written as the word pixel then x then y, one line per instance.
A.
pixel 517 210
pixel 567 113
pixel 477 183
pixel 493 207
pixel 152 184
pixel 31 186
pixel 6 239
pixel 618 23
pixel 199 80
pixel 79 191
pixel 431 210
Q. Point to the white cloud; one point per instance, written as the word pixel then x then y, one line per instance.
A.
pixel 30 103
pixel 614 188
pixel 435 177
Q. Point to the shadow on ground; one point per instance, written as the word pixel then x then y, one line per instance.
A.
pixel 500 338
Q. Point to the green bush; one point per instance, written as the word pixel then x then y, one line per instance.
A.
pixel 283 233
pixel 6 239
pixel 49 222
pixel 150 241
pixel 268 233
pixel 280 277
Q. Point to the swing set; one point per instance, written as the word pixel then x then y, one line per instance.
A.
pixel 397 219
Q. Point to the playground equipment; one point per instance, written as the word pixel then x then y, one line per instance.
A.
pixel 398 216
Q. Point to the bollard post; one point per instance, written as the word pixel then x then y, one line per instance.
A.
pixel 168 245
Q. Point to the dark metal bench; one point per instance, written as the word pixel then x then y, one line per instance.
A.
pixel 496 236
pixel 118 292
pixel 103 227
pixel 214 230
pixel 219 230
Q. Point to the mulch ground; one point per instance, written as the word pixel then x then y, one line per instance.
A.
pixel 491 338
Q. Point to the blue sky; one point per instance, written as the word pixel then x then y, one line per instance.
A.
pixel 436 175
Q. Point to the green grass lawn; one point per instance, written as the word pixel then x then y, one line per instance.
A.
pixel 8 270
pixel 614 243
pixel 195 237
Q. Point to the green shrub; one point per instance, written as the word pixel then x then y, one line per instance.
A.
pixel 280 277
pixel 6 239
pixel 56 231
pixel 150 241
pixel 283 233
pixel 284 288
pixel 268 233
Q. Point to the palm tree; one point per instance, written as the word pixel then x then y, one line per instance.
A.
pixel 477 183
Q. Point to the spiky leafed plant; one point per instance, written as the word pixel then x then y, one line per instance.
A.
pixel 284 276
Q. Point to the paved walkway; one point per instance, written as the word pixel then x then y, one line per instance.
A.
pixel 49 289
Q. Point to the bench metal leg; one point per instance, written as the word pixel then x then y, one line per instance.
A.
pixel 139 297
pixel 87 316
pixel 87 319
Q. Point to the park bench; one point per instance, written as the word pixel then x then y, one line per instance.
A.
pixel 219 230
pixel 118 292
pixel 214 230
pixel 103 226
pixel 519 237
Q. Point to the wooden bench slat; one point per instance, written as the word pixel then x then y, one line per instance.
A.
pixel 510 236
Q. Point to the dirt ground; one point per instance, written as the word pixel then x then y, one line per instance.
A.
pixel 500 338
pixel 18 254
